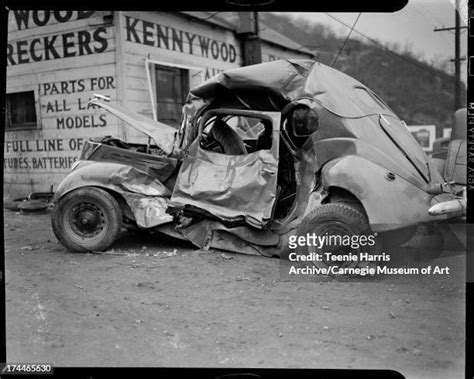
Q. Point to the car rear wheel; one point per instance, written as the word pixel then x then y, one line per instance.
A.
pixel 337 219
pixel 87 219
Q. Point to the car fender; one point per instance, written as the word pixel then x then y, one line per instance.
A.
pixel 390 201
pixel 146 196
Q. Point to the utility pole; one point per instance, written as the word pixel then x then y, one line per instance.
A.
pixel 457 58
pixel 248 32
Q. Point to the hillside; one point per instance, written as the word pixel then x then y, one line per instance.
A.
pixel 416 91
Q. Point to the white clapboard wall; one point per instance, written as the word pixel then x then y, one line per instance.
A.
pixel 64 57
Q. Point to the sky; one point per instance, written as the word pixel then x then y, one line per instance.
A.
pixel 412 26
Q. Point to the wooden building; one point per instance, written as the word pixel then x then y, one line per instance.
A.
pixel 146 61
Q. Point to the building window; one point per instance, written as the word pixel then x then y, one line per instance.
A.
pixel 172 87
pixel 20 110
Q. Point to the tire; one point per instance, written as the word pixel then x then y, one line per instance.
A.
pixel 335 218
pixel 87 219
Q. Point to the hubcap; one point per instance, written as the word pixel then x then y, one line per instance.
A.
pixel 87 219
pixel 337 229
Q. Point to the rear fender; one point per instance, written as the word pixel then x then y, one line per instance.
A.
pixel 389 201
pixel 146 196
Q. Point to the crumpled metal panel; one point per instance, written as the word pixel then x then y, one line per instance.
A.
pixel 222 240
pixel 199 233
pixel 145 195
pixel 211 234
pixel 148 211
pixel 162 134
pixel 230 186
pixel 132 180
pixel 208 234
pixel 156 166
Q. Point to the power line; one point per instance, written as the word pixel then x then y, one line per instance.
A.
pixel 355 30
pixel 380 45
pixel 208 18
pixel 457 53
pixel 344 43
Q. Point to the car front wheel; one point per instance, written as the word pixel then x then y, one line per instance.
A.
pixel 87 219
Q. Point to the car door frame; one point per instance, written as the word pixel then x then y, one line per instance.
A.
pixel 243 176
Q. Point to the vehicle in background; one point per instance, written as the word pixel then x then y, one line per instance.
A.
pixel 450 153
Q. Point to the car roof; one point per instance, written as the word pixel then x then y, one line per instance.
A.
pixel 284 81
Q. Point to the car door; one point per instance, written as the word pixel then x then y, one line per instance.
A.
pixel 231 186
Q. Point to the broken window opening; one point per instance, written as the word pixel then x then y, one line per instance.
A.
pixel 236 135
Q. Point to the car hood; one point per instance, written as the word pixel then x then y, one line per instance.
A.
pixel 163 135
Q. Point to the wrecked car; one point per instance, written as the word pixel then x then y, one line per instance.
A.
pixel 264 152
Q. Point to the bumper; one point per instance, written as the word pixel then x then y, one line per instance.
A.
pixel 455 207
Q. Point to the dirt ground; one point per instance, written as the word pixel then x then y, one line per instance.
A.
pixel 155 301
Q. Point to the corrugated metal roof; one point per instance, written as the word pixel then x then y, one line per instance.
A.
pixel 230 20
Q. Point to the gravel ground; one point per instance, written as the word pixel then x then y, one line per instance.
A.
pixel 155 301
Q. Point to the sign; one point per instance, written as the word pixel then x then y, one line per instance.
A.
pixel 447 132
pixel 424 134
pixel 165 37
pixel 39 47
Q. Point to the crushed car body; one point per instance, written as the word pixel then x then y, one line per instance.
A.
pixel 263 152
